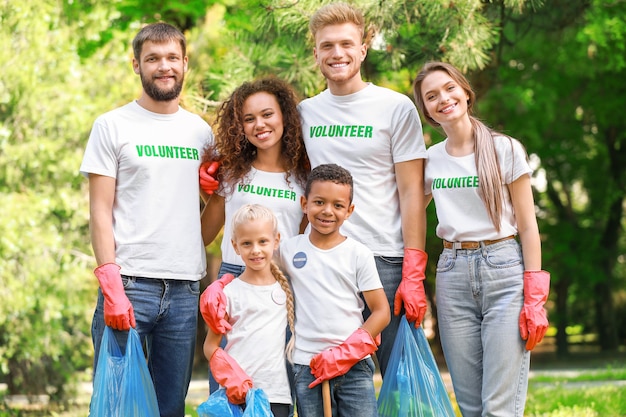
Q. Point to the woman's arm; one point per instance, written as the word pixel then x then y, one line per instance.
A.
pixel 524 207
pixel 213 217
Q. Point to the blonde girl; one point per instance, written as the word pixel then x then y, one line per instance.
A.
pixel 259 306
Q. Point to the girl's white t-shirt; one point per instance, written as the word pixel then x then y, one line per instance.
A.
pixel 271 190
pixel 258 315
pixel 453 182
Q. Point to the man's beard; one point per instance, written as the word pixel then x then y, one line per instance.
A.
pixel 158 94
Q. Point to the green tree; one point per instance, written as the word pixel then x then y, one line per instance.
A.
pixel 557 88
pixel 48 99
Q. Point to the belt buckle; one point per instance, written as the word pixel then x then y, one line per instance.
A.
pixel 457 245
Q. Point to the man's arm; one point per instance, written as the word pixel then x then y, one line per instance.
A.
pixel 410 293
pixel 101 197
pixel 410 180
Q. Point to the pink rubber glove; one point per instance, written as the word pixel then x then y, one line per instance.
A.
pixel 207 177
pixel 533 321
pixel 213 305
pixel 411 290
pixel 229 374
pixel 338 360
pixel 118 311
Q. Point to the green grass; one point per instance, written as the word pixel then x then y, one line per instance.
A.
pixel 582 395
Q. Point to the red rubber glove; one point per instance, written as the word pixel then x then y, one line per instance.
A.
pixel 338 360
pixel 533 321
pixel 411 290
pixel 118 311
pixel 229 374
pixel 213 305
pixel 207 177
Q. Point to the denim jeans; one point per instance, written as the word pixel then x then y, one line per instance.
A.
pixel 479 300
pixel 352 394
pixel 390 272
pixel 166 313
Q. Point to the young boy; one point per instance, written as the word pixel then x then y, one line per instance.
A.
pixel 329 272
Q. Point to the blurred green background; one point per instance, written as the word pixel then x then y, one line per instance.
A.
pixel 550 73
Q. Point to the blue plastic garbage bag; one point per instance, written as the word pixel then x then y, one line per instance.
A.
pixel 217 405
pixel 412 385
pixel 122 383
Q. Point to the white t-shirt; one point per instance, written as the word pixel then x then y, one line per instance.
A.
pixel 271 190
pixel 258 315
pixel 327 285
pixel 453 182
pixel 156 213
pixel 367 133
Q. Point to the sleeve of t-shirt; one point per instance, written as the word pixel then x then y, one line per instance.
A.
pixel 367 277
pixel 100 155
pixel 407 142
pixel 513 159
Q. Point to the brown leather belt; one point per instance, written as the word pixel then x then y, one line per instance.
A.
pixel 473 245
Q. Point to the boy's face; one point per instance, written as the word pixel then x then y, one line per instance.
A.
pixel 327 206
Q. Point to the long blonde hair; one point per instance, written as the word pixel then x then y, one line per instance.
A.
pixel 252 212
pixel 485 155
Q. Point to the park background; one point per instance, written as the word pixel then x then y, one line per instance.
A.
pixel 548 72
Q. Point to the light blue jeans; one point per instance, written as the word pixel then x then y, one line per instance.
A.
pixel 166 313
pixel 479 300
pixel 352 394
pixel 390 272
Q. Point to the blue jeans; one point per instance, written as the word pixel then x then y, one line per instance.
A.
pixel 352 394
pixel 166 313
pixel 479 300
pixel 390 272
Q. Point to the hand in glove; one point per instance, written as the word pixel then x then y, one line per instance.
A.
pixel 411 290
pixel 207 177
pixel 533 321
pixel 213 305
pixel 118 311
pixel 229 374
pixel 338 360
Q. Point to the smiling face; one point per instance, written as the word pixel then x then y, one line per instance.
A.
pixel 161 67
pixel 255 241
pixel 445 101
pixel 339 52
pixel 327 205
pixel 263 121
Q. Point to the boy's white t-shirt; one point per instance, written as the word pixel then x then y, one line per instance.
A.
pixel 453 182
pixel 271 190
pixel 367 133
pixel 258 315
pixel 327 286
pixel 154 159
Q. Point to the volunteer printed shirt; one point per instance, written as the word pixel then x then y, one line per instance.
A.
pixel 154 159
pixel 271 190
pixel 453 182
pixel 367 133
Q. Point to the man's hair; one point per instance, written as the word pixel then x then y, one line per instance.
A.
pixel 159 32
pixel 336 14
pixel 329 172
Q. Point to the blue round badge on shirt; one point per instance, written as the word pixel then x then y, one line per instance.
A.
pixel 299 260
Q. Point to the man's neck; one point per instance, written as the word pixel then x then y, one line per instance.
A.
pixel 161 107
pixel 345 88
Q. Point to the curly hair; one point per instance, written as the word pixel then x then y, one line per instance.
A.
pixel 329 172
pixel 233 150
